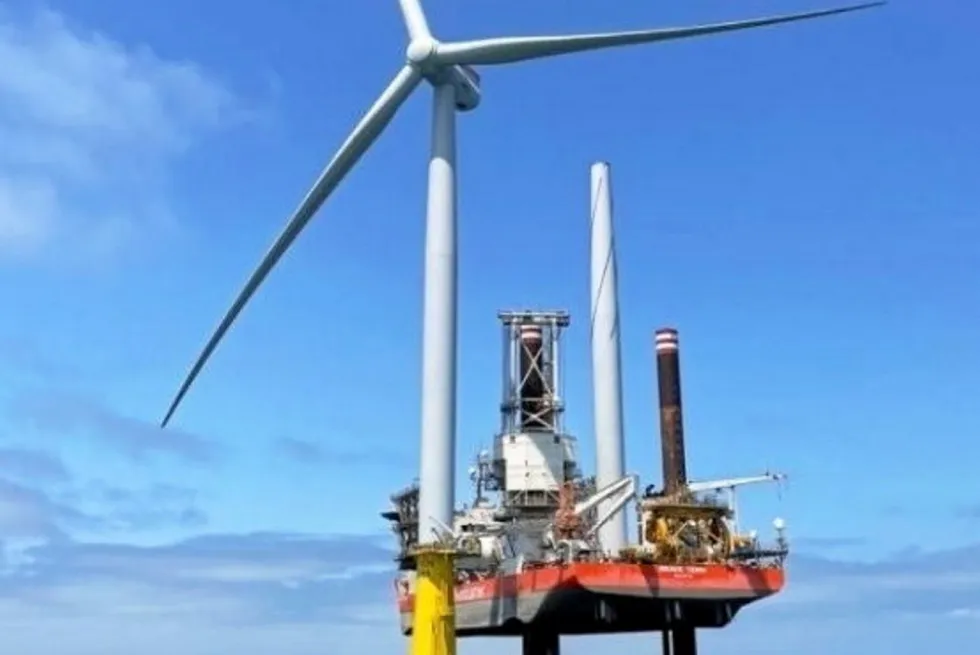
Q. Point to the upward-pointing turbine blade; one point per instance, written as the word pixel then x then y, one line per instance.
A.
pixel 415 22
pixel 512 49
pixel 360 139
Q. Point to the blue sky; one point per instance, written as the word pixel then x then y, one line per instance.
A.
pixel 801 203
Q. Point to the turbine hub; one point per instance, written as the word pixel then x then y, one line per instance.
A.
pixel 421 49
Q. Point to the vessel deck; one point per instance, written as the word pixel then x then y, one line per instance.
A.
pixel 604 598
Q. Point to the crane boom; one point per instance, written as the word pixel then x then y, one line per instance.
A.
pixel 731 483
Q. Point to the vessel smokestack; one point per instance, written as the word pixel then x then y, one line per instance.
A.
pixel 606 379
pixel 671 415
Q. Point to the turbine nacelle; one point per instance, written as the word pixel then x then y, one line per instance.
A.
pixel 466 82
pixel 422 54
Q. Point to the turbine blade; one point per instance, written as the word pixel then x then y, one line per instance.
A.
pixel 415 22
pixel 359 140
pixel 513 49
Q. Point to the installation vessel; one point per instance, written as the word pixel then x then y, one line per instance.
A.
pixel 535 557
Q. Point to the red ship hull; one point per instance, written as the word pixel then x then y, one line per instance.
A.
pixel 606 597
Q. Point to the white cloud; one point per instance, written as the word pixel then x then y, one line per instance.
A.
pixel 88 128
pixel 966 613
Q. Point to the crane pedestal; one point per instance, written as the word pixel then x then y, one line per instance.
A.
pixel 434 629
pixel 680 641
pixel 540 642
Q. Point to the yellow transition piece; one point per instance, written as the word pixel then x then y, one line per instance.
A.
pixel 434 620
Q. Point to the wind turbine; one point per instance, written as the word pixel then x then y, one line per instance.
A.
pixel 447 68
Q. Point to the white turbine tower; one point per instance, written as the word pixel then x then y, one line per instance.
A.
pixel 445 65
pixel 607 381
